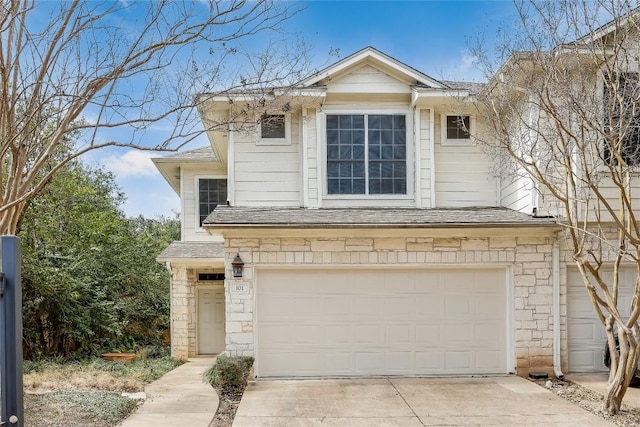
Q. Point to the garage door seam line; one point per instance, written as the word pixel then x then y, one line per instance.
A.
pixel 405 401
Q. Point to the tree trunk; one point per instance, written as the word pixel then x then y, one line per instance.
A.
pixel 623 368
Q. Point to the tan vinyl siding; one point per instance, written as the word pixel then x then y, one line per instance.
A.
pixel 367 79
pixel 268 175
pixel 425 158
pixel 463 175
pixel 190 222
pixel 516 194
pixel 312 158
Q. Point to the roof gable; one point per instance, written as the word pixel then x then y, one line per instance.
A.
pixel 375 59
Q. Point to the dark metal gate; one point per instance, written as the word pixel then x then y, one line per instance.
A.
pixel 11 390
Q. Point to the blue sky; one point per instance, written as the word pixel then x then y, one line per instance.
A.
pixel 431 36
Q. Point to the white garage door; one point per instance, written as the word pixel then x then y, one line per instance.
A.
pixel 585 333
pixel 345 322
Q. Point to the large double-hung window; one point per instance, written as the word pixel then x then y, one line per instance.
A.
pixel 366 154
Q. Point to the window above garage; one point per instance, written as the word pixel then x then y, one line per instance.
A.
pixel 274 129
pixel 457 129
pixel 366 154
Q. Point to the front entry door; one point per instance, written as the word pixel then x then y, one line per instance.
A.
pixel 210 321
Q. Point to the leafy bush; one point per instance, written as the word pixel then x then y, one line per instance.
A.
pixel 89 277
pixel 229 373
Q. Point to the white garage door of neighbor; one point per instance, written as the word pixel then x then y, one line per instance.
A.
pixel 585 333
pixel 346 322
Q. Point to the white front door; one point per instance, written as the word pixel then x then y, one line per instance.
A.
pixel 211 320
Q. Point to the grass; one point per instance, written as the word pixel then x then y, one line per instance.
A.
pixel 86 393
pixel 54 375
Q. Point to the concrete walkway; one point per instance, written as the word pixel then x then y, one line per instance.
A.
pixel 179 398
pixel 408 402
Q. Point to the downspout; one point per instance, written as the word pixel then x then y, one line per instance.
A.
pixel 555 279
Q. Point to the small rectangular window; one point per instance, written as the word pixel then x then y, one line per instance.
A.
pixel 272 126
pixel 211 193
pixel 458 127
pixel 210 277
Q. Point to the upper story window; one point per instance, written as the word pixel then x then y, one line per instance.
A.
pixel 456 130
pixel 274 129
pixel 622 119
pixel 211 193
pixel 366 154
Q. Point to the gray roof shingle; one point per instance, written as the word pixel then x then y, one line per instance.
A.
pixel 227 216
pixel 191 250
pixel 473 87
pixel 202 153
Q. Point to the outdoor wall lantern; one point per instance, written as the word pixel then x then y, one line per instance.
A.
pixel 238 266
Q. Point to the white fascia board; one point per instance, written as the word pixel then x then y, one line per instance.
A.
pixel 432 95
pixel 363 55
pixel 168 172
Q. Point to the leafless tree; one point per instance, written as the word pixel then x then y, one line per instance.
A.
pixel 565 106
pixel 77 76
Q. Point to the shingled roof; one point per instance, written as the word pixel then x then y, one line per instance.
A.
pixel 227 216
pixel 202 153
pixel 191 250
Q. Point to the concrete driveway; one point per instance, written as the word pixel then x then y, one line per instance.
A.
pixel 407 402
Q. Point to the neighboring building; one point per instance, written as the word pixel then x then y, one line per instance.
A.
pixel 376 237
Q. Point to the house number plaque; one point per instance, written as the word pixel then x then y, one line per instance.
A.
pixel 240 288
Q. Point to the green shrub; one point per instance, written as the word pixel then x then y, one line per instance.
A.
pixel 229 373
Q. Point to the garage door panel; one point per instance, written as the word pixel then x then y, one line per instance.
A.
pixel 585 333
pixel 400 282
pixel 275 334
pixel 457 361
pixel 340 362
pixel 459 334
pixel 368 334
pixel 307 308
pixel 429 306
pixel 457 306
pixel 397 361
pixel 309 334
pixel 338 306
pixel 365 306
pixel 429 362
pixel 486 332
pixel 393 322
pixel 398 335
pixel 338 335
pixel 488 358
pixel 369 362
pixel 398 308
pixel 427 334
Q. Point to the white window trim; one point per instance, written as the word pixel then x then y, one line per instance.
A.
pixel 367 200
pixel 457 141
pixel 196 197
pixel 275 141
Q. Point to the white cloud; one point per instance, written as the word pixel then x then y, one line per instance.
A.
pixel 465 68
pixel 131 163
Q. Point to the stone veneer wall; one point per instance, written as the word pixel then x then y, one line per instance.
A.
pixel 183 313
pixel 530 258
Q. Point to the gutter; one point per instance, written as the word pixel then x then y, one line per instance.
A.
pixel 555 279
pixel 435 225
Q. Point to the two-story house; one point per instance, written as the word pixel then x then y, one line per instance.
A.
pixel 371 235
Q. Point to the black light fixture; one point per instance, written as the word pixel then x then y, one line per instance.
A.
pixel 238 266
